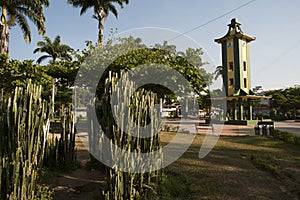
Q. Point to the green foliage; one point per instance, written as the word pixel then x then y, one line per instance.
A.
pixel 43 193
pixel 286 136
pixel 14 73
pixel 114 56
pixel 286 100
pixel 64 72
pixel 173 186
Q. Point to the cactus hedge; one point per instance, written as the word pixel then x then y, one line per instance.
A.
pixel 24 124
pixel 121 184
pixel 25 146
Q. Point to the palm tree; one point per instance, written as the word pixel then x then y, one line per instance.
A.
pixel 16 12
pixel 101 10
pixel 218 72
pixel 53 49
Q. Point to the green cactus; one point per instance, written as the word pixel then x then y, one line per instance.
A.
pixel 61 151
pixel 123 185
pixel 23 131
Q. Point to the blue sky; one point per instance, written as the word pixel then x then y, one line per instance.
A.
pixel 275 24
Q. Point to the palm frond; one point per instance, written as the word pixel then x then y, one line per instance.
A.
pixel 54 49
pixel 56 41
pixel 37 19
pixel 42 58
pixel 113 9
pixel 22 22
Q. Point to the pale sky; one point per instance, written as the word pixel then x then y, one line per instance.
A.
pixel 275 24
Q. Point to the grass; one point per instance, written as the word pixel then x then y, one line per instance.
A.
pixel 237 168
pixel 244 167
pixel 174 186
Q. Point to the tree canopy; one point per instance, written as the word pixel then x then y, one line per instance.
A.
pixel 14 73
pixel 53 49
pixel 188 63
pixel 286 100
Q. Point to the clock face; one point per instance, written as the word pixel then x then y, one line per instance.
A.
pixel 229 44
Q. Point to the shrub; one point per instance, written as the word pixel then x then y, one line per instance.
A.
pixel 286 136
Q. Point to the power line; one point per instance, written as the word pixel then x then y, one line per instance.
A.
pixel 214 19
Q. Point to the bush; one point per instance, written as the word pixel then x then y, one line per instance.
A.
pixel 286 137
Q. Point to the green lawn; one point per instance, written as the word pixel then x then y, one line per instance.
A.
pixel 237 168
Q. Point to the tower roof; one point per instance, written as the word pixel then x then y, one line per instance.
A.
pixel 235 31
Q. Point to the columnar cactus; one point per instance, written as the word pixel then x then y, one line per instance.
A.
pixel 61 151
pixel 24 124
pixel 125 185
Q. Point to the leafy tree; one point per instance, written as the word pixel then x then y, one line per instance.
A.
pixel 14 73
pixel 101 10
pixel 64 72
pixel 16 12
pixel 286 100
pixel 140 55
pixel 53 49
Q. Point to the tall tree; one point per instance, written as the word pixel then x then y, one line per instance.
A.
pixel 53 49
pixel 17 12
pixel 101 10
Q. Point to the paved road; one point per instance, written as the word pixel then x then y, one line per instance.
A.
pixel 289 126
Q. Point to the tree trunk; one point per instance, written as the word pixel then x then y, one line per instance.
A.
pixel 4 34
pixel 100 34
pixel 100 27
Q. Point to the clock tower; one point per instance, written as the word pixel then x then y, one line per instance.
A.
pixel 236 74
pixel 235 60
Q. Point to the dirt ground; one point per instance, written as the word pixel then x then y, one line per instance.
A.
pixel 81 184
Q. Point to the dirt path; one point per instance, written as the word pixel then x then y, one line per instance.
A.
pixel 81 184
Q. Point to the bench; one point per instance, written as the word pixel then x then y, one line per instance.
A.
pixel 199 126
pixel 265 123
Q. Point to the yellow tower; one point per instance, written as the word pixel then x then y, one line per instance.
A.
pixel 235 60
pixel 236 73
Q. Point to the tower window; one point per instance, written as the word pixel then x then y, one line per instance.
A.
pixel 230 66
pixel 245 83
pixel 245 65
pixel 231 82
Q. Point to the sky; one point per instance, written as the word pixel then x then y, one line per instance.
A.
pixel 274 55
